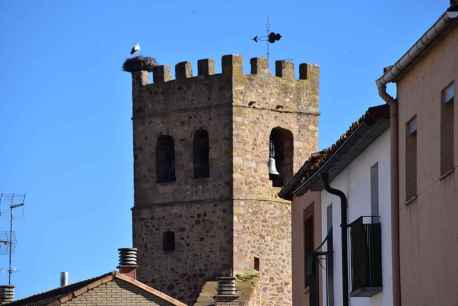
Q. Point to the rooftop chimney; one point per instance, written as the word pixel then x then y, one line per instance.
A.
pixel 227 290
pixel 6 294
pixel 454 4
pixel 128 261
pixel 63 279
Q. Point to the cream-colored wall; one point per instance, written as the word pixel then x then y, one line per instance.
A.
pixel 354 181
pixel 300 205
pixel 429 225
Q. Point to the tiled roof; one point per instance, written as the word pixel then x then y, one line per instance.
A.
pixel 54 294
pixel 317 160
pixel 62 295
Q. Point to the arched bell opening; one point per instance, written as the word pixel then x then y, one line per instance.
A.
pixel 281 152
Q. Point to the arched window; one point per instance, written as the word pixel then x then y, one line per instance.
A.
pixel 280 156
pixel 165 159
pixel 201 154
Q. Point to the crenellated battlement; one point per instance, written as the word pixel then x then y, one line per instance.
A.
pixel 231 65
pixel 205 67
pixel 282 91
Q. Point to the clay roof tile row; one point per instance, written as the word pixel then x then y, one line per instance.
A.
pixel 318 159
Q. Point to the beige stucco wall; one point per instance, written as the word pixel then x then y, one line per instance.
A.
pixel 302 204
pixel 428 225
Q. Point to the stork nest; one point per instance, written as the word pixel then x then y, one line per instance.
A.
pixel 139 63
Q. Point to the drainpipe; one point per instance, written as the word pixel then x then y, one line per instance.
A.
pixel 391 74
pixel 344 226
pixel 394 141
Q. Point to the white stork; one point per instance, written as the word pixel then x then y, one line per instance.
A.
pixel 135 49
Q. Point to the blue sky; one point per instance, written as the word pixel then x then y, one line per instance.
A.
pixel 65 104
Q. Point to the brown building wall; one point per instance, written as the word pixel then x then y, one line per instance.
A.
pixel 116 293
pixel 221 223
pixel 428 225
pixel 303 206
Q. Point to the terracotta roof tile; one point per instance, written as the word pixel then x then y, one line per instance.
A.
pixel 318 159
pixel 54 294
pixel 62 295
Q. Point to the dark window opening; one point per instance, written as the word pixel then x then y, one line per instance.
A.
pixel 168 241
pixel 411 159
pixel 447 128
pixel 308 247
pixel 374 190
pixel 281 153
pixel 201 150
pixel 329 217
pixel 366 256
pixel 165 159
pixel 256 263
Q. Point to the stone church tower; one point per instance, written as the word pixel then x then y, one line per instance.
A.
pixel 205 204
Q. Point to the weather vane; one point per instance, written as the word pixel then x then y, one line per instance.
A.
pixel 269 38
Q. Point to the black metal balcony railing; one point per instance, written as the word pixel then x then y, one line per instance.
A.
pixel 366 256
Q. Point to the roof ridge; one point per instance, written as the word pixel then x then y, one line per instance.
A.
pixel 54 293
pixel 147 288
pixel 89 286
pixel 65 294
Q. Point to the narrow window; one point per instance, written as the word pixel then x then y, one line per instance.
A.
pixel 447 129
pixel 281 150
pixel 201 150
pixel 411 159
pixel 374 190
pixel 308 249
pixel 329 217
pixel 165 159
pixel 168 241
pixel 256 263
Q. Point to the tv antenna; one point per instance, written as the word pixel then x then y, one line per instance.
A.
pixel 8 238
pixel 269 38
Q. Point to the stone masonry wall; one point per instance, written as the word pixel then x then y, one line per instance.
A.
pixel 262 221
pixel 222 222
pixel 262 229
pixel 116 293
pixel 203 237
pixel 198 211
pixel 179 108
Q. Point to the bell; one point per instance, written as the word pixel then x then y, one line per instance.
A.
pixel 272 167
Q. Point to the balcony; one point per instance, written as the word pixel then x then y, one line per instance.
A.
pixel 366 256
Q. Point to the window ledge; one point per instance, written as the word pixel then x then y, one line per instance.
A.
pixel 446 174
pixel 411 200
pixel 201 178
pixel 166 183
